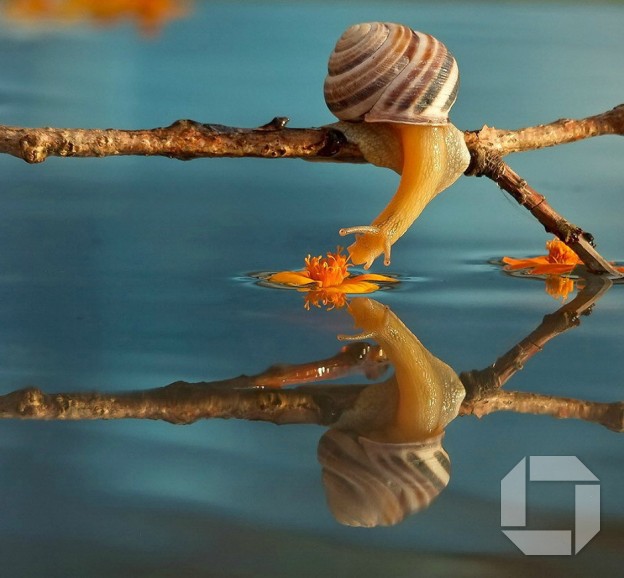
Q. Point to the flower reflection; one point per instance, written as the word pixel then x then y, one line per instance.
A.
pixel 150 15
pixel 327 280
pixel 559 287
pixel 384 460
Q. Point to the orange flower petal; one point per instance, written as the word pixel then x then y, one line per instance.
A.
pixel 373 277
pixel 559 252
pixel 356 287
pixel 513 264
pixel 326 280
pixel 553 269
pixel 291 278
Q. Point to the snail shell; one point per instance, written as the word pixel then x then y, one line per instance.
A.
pixel 368 483
pixel 386 72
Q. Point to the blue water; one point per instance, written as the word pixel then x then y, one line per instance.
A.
pixel 131 273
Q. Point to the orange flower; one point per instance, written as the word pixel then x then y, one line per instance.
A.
pixel 560 259
pixel 327 280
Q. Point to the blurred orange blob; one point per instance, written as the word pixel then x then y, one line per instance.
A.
pixel 150 15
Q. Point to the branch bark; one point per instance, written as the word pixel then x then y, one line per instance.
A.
pixel 188 139
pixel 183 140
pixel 610 415
pixel 503 142
pixel 184 403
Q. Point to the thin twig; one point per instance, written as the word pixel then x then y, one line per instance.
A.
pixel 580 241
pixel 483 382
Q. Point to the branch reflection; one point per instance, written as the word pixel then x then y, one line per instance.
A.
pixel 382 458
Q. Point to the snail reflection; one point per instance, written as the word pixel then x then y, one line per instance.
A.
pixel 384 460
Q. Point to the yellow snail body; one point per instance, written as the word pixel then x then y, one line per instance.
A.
pixel 405 81
pixel 430 392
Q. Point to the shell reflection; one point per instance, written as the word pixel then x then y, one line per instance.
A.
pixel 384 461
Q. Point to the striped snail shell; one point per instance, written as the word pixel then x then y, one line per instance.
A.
pixel 386 72
pixel 369 483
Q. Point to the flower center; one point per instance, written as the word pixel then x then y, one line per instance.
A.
pixel 328 271
pixel 559 252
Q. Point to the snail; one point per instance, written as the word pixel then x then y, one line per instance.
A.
pixel 392 88
pixel 369 483
pixel 429 391
pixel 384 460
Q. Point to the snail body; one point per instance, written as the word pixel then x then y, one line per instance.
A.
pixel 430 392
pixel 387 74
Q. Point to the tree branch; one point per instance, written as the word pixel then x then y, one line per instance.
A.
pixel 182 140
pixel 503 142
pixel 610 415
pixel 187 139
pixel 580 241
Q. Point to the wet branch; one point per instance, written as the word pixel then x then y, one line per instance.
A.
pixel 185 403
pixel 610 415
pixel 187 139
pixel 483 382
pixel 580 241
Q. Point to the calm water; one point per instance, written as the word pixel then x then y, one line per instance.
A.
pixel 131 273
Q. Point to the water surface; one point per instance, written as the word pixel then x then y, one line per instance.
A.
pixel 132 273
